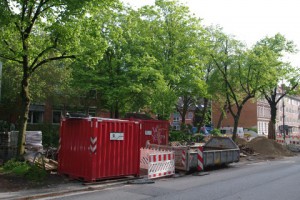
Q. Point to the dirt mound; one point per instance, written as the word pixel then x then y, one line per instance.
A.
pixel 240 141
pixel 268 147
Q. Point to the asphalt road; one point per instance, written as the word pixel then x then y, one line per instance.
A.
pixel 269 180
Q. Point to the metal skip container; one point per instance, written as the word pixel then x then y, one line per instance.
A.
pixel 217 151
pixel 98 148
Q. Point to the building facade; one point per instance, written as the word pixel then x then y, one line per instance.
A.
pixel 256 114
pixel 176 119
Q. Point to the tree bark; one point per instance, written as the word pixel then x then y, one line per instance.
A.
pixel 236 122
pixel 221 116
pixel 272 123
pixel 24 114
pixel 203 113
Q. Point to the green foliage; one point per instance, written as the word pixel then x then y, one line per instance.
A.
pixel 35 173
pixel 183 136
pixel 178 136
pixel 216 132
pixel 21 170
pixel 50 133
pixel 24 169
pixel 197 137
pixel 11 164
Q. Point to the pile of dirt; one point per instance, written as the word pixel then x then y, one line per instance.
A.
pixel 268 147
pixel 240 141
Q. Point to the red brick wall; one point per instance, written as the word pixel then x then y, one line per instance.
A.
pixel 248 116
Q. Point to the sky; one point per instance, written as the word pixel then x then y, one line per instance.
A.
pixel 248 20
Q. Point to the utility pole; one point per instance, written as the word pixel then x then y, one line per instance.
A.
pixel 283 116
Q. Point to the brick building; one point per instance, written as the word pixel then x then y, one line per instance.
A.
pixel 175 119
pixel 256 114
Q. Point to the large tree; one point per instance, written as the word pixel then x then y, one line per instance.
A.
pixel 241 72
pixel 272 51
pixel 176 41
pixel 127 77
pixel 35 33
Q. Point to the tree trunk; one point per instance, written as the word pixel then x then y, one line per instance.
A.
pixel 272 123
pixel 24 114
pixel 117 114
pixel 111 112
pixel 236 123
pixel 221 116
pixel 203 114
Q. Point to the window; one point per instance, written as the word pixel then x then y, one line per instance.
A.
pixel 35 117
pixel 176 118
pixel 176 127
pixel 56 114
pixel 190 115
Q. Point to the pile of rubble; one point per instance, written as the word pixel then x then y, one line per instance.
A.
pixel 262 146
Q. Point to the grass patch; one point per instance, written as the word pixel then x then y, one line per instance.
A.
pixel 26 170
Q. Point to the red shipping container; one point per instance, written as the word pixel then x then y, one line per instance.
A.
pixel 94 148
pixel 154 131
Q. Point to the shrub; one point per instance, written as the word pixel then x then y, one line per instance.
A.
pixel 216 132
pixel 35 173
pixel 178 136
pixel 21 169
pixel 30 172
pixel 11 164
pixel 197 137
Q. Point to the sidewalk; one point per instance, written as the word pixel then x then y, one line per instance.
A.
pixel 56 190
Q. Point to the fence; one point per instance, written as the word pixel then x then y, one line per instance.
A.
pixel 158 163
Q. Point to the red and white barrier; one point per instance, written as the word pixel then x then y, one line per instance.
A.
pixel 200 165
pixel 183 158
pixel 289 139
pixel 158 163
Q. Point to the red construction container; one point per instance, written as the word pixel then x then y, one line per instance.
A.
pixel 154 131
pixel 94 148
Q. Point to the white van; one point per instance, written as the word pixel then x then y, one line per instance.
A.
pixel 229 130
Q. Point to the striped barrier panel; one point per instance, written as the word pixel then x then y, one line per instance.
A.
pixel 289 139
pixel 200 166
pixel 280 141
pixel 295 142
pixel 158 163
pixel 181 155
pixel 183 158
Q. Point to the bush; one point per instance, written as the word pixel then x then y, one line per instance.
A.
pixel 183 136
pixel 216 132
pixel 30 172
pixel 35 173
pixel 197 137
pixel 178 136
pixel 21 169
pixel 11 164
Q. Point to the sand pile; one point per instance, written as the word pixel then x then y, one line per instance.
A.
pixel 268 147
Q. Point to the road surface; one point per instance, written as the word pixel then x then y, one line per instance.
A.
pixel 268 180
